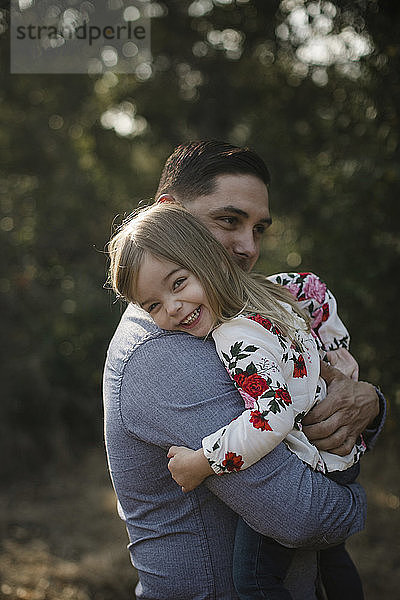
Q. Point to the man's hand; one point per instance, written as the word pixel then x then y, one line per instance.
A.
pixel 188 467
pixel 349 407
pixel 346 363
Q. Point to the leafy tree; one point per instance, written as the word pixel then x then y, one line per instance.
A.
pixel 230 70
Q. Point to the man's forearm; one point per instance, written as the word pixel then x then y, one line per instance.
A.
pixel 283 498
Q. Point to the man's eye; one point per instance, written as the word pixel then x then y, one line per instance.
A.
pixel 152 307
pixel 260 229
pixel 178 282
pixel 229 220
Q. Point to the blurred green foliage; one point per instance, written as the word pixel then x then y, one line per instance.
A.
pixel 77 150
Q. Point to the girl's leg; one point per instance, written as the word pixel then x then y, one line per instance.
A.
pixel 260 565
pixel 339 574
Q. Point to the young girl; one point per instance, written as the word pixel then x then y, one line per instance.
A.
pixel 168 263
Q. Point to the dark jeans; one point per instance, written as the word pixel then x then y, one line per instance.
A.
pixel 260 564
pixel 339 574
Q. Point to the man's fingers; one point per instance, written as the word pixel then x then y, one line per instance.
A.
pixel 338 441
pixel 329 373
pixel 330 445
pixel 344 449
pixel 323 412
pixel 322 429
pixel 316 415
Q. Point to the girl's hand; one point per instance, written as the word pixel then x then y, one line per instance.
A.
pixel 342 360
pixel 188 467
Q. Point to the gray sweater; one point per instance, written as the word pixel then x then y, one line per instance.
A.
pixel 162 389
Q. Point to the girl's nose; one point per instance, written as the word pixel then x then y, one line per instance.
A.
pixel 173 306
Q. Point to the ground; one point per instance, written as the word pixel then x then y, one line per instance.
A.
pixel 62 540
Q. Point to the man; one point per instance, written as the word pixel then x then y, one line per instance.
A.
pixel 163 388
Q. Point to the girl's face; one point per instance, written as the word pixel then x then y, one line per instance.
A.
pixel 174 297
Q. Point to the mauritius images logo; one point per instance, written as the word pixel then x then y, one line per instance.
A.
pixel 83 37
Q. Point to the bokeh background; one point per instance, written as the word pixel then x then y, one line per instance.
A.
pixel 314 87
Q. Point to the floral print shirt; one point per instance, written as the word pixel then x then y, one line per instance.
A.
pixel 278 380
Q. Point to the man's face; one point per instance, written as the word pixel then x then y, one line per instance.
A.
pixel 237 214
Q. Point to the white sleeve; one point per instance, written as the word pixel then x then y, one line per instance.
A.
pixel 256 358
pixel 314 297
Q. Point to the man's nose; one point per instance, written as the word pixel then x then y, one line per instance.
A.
pixel 246 246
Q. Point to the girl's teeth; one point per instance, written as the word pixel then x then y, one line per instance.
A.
pixel 192 317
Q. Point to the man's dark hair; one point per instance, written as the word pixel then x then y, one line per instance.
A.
pixel 191 169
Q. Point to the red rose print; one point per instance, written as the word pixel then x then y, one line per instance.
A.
pixel 300 294
pixel 262 321
pixel 283 395
pixel 254 385
pixel 232 461
pixel 266 323
pixel 259 422
pixel 325 314
pixel 299 367
pixel 239 378
pixel 314 288
pixel 319 316
pixel 294 289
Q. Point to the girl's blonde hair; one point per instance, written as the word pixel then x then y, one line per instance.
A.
pixel 170 232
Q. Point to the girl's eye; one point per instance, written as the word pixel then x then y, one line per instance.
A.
pixel 152 307
pixel 178 282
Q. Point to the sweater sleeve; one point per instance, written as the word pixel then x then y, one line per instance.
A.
pixel 319 302
pixel 259 360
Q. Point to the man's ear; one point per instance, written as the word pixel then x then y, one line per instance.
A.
pixel 167 198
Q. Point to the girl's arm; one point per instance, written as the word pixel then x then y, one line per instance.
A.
pixel 319 302
pixel 314 297
pixel 260 362
pixel 258 359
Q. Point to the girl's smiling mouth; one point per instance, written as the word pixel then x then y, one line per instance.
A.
pixel 192 319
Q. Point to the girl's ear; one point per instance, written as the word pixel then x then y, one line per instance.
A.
pixel 166 198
